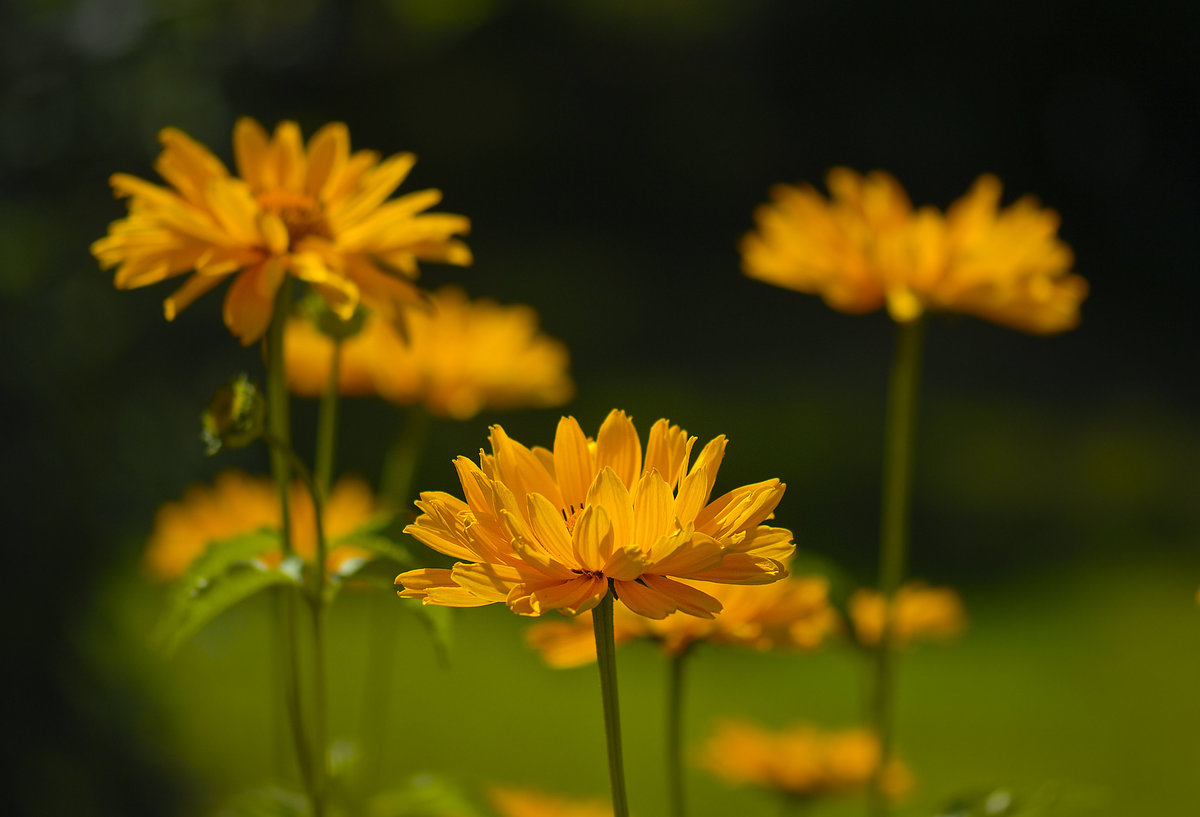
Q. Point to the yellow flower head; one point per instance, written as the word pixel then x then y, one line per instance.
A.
pixel 549 530
pixel 461 357
pixel 790 614
pixel 315 211
pixel 865 246
pixel 800 760
pixel 237 504
pixel 920 612
pixel 511 802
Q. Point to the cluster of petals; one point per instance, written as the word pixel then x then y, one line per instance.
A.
pixel 801 760
pixel 793 614
pixel 460 357
pixel 865 247
pixel 237 504
pixel 317 212
pixel 918 612
pixel 521 802
pixel 544 529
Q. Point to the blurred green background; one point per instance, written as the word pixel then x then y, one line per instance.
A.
pixel 610 155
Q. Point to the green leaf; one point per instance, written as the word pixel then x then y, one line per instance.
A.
pixel 188 615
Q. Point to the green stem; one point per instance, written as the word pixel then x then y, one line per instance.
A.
pixel 319 485
pixel 401 461
pixel 899 437
pixel 675 785
pixel 279 430
pixel 327 418
pixel 602 623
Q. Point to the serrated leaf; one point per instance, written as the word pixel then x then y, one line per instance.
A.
pixel 188 617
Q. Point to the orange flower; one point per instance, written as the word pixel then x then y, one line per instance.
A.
pixel 801 760
pixel 551 530
pixel 920 612
pixel 865 247
pixel 791 614
pixel 237 504
pixel 460 357
pixel 511 802
pixel 318 212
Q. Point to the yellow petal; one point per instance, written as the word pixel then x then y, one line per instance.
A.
pixel 250 150
pixel 609 492
pixel 617 446
pixel 688 599
pixel 328 152
pixel 247 309
pixel 488 581
pixel 193 288
pixel 653 510
pixel 551 529
pixel 626 563
pixel 573 467
pixel 592 538
pixel 575 596
pixel 645 601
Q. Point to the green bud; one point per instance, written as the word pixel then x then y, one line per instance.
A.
pixel 235 416
pixel 316 309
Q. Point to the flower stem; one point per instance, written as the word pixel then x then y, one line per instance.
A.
pixel 899 436
pixel 279 430
pixel 602 622
pixel 327 418
pixel 675 785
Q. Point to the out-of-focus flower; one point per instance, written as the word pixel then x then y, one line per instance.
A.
pixel 865 246
pixel 791 614
pixel 317 212
pixel 801 760
pixel 920 612
pixel 238 504
pixel 461 357
pixel 513 802
pixel 548 530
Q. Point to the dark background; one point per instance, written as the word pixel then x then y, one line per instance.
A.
pixel 610 155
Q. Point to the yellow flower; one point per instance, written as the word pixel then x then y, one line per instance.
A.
pixel 512 802
pixel 548 530
pixel 237 504
pixel 790 614
pixel 461 356
pixel 920 612
pixel 800 760
pixel 865 246
pixel 318 212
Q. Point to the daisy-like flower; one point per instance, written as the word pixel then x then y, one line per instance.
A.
pixel 460 357
pixel 316 211
pixel 551 529
pixel 792 614
pixel 237 504
pixel 865 247
pixel 800 761
pixel 513 802
pixel 920 612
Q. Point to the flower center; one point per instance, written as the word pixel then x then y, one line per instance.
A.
pixel 300 213
pixel 570 515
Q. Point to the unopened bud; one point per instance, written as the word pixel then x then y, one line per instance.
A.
pixel 234 417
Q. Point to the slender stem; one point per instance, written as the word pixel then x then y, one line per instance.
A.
pixel 602 622
pixel 319 487
pixel 402 457
pixel 899 436
pixel 279 430
pixel 327 419
pixel 675 785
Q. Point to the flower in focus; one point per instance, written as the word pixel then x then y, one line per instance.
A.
pixel 461 356
pixel 510 802
pixel 550 529
pixel 791 614
pixel 800 761
pixel 865 246
pixel 237 504
pixel 920 612
pixel 316 211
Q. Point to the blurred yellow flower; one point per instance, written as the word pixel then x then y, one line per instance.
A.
pixel 461 357
pixel 865 246
pixel 790 614
pixel 547 530
pixel 801 760
pixel 318 212
pixel 513 802
pixel 921 612
pixel 237 504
